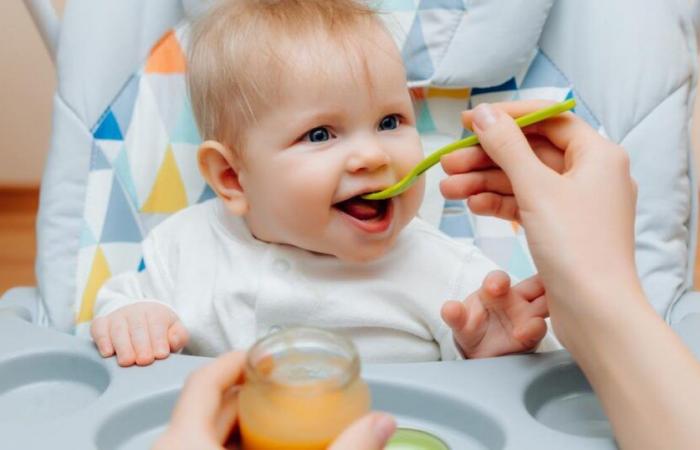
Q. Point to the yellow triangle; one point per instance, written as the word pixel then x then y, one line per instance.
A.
pixel 168 194
pixel 98 275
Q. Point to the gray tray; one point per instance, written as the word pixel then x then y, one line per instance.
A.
pixel 57 392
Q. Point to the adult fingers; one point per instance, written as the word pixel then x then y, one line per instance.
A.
pixel 465 160
pixel 205 389
pixel 100 334
pixel 496 205
pixel 566 131
pixel 370 432
pixel 513 109
pixel 507 146
pixel 464 185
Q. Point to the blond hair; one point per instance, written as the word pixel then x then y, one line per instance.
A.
pixel 234 59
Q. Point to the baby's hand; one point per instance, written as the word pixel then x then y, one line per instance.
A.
pixel 139 333
pixel 497 319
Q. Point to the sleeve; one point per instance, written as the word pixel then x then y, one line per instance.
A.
pixel 151 283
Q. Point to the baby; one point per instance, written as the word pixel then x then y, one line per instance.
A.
pixel 305 108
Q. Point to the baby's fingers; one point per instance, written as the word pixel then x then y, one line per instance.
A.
pixel 530 333
pixel 158 332
pixel 100 334
pixel 121 340
pixel 140 338
pixel 454 314
pixel 177 336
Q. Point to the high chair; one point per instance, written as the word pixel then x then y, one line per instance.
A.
pixel 122 158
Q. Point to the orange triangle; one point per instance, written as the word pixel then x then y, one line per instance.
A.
pixel 515 225
pixel 166 56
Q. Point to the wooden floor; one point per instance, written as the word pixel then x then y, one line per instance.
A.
pixel 17 237
pixel 18 244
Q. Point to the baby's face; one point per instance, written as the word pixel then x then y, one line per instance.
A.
pixel 344 126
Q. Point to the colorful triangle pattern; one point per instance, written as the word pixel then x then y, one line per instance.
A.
pixel 112 201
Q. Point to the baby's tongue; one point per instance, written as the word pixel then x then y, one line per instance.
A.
pixel 361 209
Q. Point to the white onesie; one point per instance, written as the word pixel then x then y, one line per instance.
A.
pixel 230 289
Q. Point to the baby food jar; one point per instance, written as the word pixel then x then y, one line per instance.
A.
pixel 302 389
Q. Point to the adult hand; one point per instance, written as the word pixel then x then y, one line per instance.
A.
pixel 206 412
pixel 569 187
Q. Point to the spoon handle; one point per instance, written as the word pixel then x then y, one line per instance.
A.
pixel 434 158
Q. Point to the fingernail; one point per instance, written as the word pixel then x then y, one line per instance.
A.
pixel 384 427
pixel 484 116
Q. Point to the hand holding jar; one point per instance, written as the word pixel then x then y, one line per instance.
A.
pixel 278 400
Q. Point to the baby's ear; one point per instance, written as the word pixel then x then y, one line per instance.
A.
pixel 220 168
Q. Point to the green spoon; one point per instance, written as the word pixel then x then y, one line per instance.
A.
pixel 434 158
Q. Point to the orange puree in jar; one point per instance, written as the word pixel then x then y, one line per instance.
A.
pixel 302 389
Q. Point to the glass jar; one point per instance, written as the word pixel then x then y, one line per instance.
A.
pixel 302 389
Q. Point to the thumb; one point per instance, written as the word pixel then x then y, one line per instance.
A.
pixel 371 432
pixel 506 145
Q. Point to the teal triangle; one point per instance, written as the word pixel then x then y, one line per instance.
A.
pixel 425 120
pixel 186 127
pixel 120 225
pixel 519 265
pixel 142 265
pixel 108 128
pixel 98 161
pixel 86 237
pixel 207 194
pixel 123 171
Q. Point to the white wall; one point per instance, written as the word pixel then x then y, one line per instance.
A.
pixel 27 82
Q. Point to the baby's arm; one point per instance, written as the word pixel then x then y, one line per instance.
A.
pixel 131 321
pixel 499 319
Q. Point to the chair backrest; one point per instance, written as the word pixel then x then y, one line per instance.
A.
pixel 124 141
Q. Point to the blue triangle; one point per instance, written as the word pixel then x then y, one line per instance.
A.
pixel 86 237
pixel 108 128
pixel 123 106
pixel 207 194
pixel 519 265
pixel 98 161
pixel 119 225
pixel 186 127
pixel 415 54
pixel 123 171
pixel 543 73
pixel 142 265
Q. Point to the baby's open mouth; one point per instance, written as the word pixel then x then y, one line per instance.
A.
pixel 365 210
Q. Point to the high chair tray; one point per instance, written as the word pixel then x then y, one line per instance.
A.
pixel 57 392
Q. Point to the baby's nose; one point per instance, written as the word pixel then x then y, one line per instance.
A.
pixel 368 158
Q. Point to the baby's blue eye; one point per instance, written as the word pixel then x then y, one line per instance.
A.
pixel 319 134
pixel 389 123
